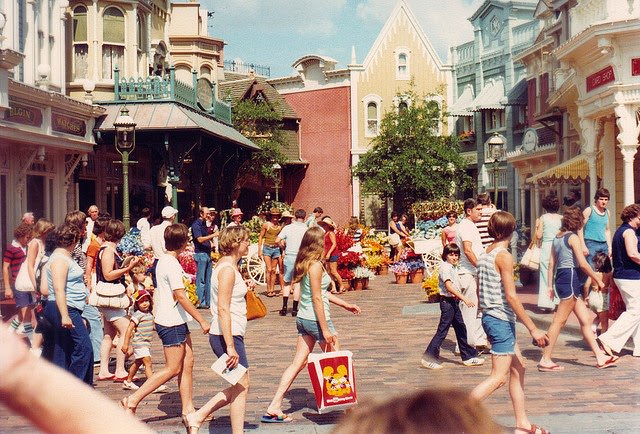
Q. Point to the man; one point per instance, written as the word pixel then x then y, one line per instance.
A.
pixel 289 239
pixel 92 216
pixel 315 217
pixel 156 236
pixel 236 217
pixel 144 227
pixel 470 243
pixel 14 255
pixel 202 255
pixel 483 224
pixel 212 227
pixel 596 233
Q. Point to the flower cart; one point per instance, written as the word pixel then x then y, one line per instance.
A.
pixel 431 252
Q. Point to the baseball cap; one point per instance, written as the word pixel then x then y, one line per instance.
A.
pixel 168 212
pixel 140 294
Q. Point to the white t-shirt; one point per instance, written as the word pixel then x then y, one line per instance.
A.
pixel 144 227
pixel 292 235
pixel 468 231
pixel 156 234
pixel 238 306
pixel 167 311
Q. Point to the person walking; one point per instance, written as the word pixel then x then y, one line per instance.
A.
pixel 331 250
pixel 202 255
pixel 596 233
pixel 12 259
pixel 314 217
pixel 488 208
pixel 269 250
pixel 289 239
pixel 156 237
pixel 547 227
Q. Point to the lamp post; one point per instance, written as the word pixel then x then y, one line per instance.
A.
pixel 278 179
pixel 496 144
pixel 125 142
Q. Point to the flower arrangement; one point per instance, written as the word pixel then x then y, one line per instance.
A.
pixel 375 261
pixel 189 281
pixel 430 287
pixel 415 265
pixel 363 273
pixel 130 244
pixel 372 246
pixel 343 241
pixel 186 260
pixel 255 226
pixel 345 273
pixel 349 259
pixel 266 206
pixel 399 267
pixel 465 135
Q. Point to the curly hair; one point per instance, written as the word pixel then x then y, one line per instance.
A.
pixel 572 219
pixel 22 230
pixel 551 203
pixel 230 239
pixel 67 235
pixel 630 212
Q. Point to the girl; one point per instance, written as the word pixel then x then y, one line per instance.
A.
pixel 313 320
pixel 331 251
pixel 269 250
pixel 449 232
pixel 567 259
pixel 500 307
pixel 450 314
pixel 597 299
pixel 396 235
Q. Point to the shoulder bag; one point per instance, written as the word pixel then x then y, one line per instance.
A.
pixel 531 257
pixel 255 306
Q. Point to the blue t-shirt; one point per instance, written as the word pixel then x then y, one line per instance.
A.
pixel 75 290
pixel 199 229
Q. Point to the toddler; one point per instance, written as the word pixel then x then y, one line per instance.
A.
pixel 598 299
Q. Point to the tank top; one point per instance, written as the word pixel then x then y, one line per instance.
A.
pixel 75 290
pixel 305 309
pixel 450 233
pixel 493 300
pixel 99 276
pixel 270 235
pixel 564 252
pixel 237 307
pixel 596 225
pixel 623 266
pixel 327 245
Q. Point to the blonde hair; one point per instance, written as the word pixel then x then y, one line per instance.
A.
pixel 311 250
pixel 42 228
pixel 230 239
pixel 139 268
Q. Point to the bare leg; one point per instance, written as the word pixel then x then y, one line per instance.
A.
pixel 516 390
pixel 281 273
pixel 105 349
pixel 584 317
pixel 559 320
pixel 133 369
pixel 271 273
pixel 296 292
pixel 120 325
pixel 148 367
pixel 333 272
pixel 500 365
pixel 185 380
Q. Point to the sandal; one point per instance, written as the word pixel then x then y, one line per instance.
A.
pixel 609 362
pixel 605 348
pixel 276 418
pixel 124 404
pixel 271 294
pixel 192 427
pixel 551 368
pixel 533 430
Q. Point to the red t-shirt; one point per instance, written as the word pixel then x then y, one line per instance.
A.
pixel 14 255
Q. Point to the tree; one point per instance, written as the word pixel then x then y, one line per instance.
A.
pixel 408 161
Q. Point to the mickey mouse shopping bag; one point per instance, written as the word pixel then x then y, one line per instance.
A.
pixel 333 380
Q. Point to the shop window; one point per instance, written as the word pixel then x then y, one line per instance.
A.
pixel 113 41
pixel 372 115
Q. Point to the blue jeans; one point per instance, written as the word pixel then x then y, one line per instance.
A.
pixel 450 316
pixel 203 278
pixel 71 347
pixel 96 329
pixel 595 247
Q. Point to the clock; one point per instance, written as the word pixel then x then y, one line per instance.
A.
pixel 530 140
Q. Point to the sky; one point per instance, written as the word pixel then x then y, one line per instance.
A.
pixel 275 33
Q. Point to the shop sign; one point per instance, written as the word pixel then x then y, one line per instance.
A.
pixel 23 114
pixel 68 125
pixel 600 78
pixel 635 66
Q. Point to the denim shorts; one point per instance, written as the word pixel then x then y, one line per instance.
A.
pixel 307 327
pixel 23 298
pixel 289 267
pixel 501 335
pixel 334 258
pixel 173 335
pixel 271 251
pixel 569 283
pixel 595 247
pixel 219 347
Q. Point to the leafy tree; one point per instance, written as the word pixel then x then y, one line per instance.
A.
pixel 408 161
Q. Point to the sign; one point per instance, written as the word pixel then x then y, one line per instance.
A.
pixel 530 139
pixel 635 66
pixel 23 114
pixel 600 78
pixel 68 125
pixel 205 93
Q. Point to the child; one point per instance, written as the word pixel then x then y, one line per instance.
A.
pixel 598 299
pixel 450 314
pixel 500 307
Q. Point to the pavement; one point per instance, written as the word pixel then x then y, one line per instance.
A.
pixel 387 340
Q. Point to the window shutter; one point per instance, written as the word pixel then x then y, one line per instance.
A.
pixel 113 26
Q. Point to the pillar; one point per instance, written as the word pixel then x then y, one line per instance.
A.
pixel 627 121
pixel 628 155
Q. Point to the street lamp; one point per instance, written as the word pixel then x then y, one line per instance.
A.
pixel 496 144
pixel 278 179
pixel 125 142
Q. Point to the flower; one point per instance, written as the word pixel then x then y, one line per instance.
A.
pixel 190 287
pixel 349 259
pixel 363 273
pixel 130 244
pixel 187 261
pixel 345 273
pixel 343 241
pixel 399 268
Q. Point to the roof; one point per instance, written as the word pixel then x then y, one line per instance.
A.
pixel 461 106
pixel 574 169
pixel 247 87
pixel 518 93
pixel 491 96
pixel 292 148
pixel 157 115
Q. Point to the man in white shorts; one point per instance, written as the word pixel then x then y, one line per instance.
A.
pixel 290 238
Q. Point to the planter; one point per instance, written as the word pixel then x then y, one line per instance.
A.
pixel 365 283
pixel 358 284
pixel 417 276
pixel 401 278
pixel 383 270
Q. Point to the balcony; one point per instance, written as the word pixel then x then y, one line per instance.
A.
pixel 246 68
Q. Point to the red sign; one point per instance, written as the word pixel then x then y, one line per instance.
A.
pixel 635 66
pixel 600 78
pixel 22 114
pixel 68 125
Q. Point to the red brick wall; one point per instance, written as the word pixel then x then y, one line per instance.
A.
pixel 325 144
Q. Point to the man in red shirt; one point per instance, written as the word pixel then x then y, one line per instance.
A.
pixel 14 255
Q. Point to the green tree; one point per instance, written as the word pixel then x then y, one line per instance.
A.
pixel 408 161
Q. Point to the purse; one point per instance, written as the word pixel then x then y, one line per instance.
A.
pixel 109 294
pixel 255 306
pixel 23 282
pixel 531 257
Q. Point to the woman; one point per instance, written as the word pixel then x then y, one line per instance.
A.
pixel 67 296
pixel 171 310
pixel 449 232
pixel 269 250
pixel 109 269
pixel 547 226
pixel 313 320
pixel 331 251
pixel 396 235
pixel 626 275
pixel 228 326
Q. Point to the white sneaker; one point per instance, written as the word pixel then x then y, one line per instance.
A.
pixel 129 385
pixel 474 361
pixel 431 365
pixel 160 389
pixel 456 351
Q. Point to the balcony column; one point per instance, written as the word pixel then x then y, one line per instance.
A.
pixel 628 121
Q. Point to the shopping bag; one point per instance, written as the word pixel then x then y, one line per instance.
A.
pixel 616 304
pixel 333 380
pixel 531 257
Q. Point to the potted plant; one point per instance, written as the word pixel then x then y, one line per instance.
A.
pixel 346 275
pixel 416 270
pixel 401 271
pixel 361 276
pixel 431 289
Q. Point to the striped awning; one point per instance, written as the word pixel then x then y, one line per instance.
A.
pixel 575 169
pixel 491 97
pixel 461 106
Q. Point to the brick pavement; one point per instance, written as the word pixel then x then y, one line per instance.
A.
pixel 387 341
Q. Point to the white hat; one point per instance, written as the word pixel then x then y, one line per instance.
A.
pixel 168 212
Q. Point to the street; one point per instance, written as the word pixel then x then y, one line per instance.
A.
pixel 387 341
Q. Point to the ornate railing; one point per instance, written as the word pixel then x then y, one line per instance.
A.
pixel 245 68
pixel 526 33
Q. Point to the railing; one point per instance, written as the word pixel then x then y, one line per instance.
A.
pixel 464 53
pixel 245 68
pixel 526 33
pixel 167 88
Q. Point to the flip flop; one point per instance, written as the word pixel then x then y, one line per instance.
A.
pixel 533 430
pixel 276 418
pixel 609 363
pixel 553 368
pixel 605 348
pixel 271 294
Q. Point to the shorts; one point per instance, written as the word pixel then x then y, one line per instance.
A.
pixel 219 347
pixel 172 336
pixel 289 267
pixel 334 258
pixel 111 313
pixel 569 283
pixel 271 251
pixel 141 352
pixel 23 298
pixel 307 327
pixel 595 247
pixel 501 335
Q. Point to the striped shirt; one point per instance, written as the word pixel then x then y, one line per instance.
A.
pixel 483 226
pixel 493 300
pixel 14 255
pixel 144 329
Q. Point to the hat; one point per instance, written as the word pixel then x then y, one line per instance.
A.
pixel 168 212
pixel 286 215
pixel 275 211
pixel 326 220
pixel 140 294
pixel 235 212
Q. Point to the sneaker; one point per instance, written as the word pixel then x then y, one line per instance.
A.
pixel 129 385
pixel 160 389
pixel 456 351
pixel 474 361
pixel 431 365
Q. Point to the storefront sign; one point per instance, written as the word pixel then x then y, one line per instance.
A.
pixel 68 125
pixel 23 114
pixel 600 78
pixel 635 66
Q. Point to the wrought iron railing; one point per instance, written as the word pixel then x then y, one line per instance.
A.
pixel 245 68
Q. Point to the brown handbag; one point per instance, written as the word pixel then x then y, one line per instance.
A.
pixel 255 306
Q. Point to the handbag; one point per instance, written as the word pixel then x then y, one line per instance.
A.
pixel 531 257
pixel 333 381
pixel 23 282
pixel 109 294
pixel 394 239
pixel 255 306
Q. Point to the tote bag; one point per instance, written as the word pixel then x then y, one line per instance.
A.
pixel 255 306
pixel 333 380
pixel 23 281
pixel 531 257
